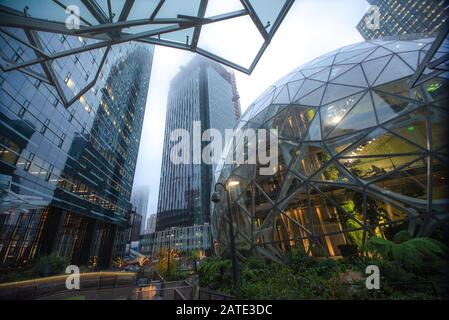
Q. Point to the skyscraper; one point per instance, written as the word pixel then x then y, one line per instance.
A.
pixel 151 223
pixel 139 199
pixel 404 16
pixel 69 170
pixel 204 91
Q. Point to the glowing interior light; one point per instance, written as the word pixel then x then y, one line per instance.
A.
pixel 233 183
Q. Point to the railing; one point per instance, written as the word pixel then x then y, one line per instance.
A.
pixel 55 286
pixel 206 294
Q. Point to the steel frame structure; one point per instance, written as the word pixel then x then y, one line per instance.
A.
pixel 263 217
pixel 109 32
pixel 430 62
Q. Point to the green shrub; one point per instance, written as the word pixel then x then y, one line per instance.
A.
pixel 50 265
pixel 215 274
pixel 419 255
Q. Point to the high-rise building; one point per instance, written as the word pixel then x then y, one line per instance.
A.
pixel 69 170
pixel 139 199
pixel 398 17
pixel 203 91
pixel 151 223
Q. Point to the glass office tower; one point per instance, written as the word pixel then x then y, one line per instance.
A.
pixel 401 17
pixel 139 199
pixel 202 91
pixel 68 172
pixel 360 155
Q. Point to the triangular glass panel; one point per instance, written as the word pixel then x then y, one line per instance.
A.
pixel 339 69
pixel 411 58
pixel 351 47
pixel 281 95
pixel 343 56
pixel 332 114
pixel 439 120
pixel 360 117
pixel 389 106
pixel 277 118
pixel 321 76
pixel 379 52
pixel 272 113
pixel 262 103
pixel 310 72
pixel 336 92
pixel 352 77
pixel 370 168
pixel 332 173
pixel 395 69
pixel 140 10
pixel 313 98
pixel 219 38
pixel 314 132
pixel 172 8
pixel 411 127
pixel 437 89
pixel 293 88
pixel 358 58
pixel 267 186
pixel 321 62
pixel 400 88
pixel 267 12
pixel 307 87
pixel 381 142
pixel 218 7
pixel 340 144
pixel 261 116
pixel 409 181
pixel 403 46
pixel 311 157
pixel 297 121
pixel 374 67
pixel 359 46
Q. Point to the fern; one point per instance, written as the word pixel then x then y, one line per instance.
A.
pixel 419 255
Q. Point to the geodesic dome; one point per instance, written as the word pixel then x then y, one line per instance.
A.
pixel 360 154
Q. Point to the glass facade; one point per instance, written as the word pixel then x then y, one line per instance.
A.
pixel 192 238
pixel 399 17
pixel 360 154
pixel 139 199
pixel 74 167
pixel 202 91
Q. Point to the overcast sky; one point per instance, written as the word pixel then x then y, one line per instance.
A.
pixel 310 29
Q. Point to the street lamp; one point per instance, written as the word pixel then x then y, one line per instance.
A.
pixel 216 197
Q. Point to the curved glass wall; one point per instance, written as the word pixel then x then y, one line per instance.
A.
pixel 360 154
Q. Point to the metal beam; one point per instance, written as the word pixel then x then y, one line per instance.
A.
pixel 442 34
pixel 156 10
pixel 95 10
pixel 256 20
pixel 197 31
pixel 125 10
pixel 92 83
pixel 109 32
